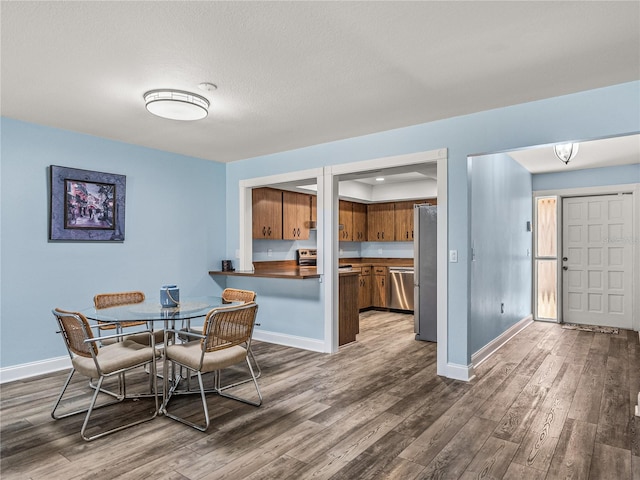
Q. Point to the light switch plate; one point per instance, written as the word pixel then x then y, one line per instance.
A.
pixel 453 256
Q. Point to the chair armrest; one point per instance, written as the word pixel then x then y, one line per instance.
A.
pixel 185 332
pixel 115 335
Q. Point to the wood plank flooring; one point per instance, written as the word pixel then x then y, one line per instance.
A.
pixel 552 404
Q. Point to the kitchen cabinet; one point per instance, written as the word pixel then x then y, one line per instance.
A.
pixel 345 218
pixel 380 218
pixel 348 315
pixel 267 213
pixel 359 222
pixel 296 214
pixel 403 220
pixel 364 288
pixel 314 209
pixel 353 218
pixel 379 287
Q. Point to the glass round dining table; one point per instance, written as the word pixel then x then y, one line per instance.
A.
pixel 152 312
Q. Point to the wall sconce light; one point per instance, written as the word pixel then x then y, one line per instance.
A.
pixel 565 151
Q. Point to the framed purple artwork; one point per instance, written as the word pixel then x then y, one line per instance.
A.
pixel 86 205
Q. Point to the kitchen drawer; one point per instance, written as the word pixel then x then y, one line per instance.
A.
pixel 380 270
pixel 365 270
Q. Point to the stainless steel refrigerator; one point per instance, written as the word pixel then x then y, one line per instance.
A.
pixel 425 272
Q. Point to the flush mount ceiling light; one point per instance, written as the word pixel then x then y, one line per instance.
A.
pixel 566 151
pixel 379 179
pixel 176 104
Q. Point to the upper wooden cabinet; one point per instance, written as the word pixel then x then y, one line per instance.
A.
pixel 296 214
pixel 345 218
pixel 359 222
pixel 267 213
pixel 380 217
pixel 404 220
pixel 314 209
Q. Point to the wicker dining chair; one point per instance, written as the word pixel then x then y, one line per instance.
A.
pixel 236 295
pixel 230 295
pixel 106 300
pixel 102 362
pixel 225 342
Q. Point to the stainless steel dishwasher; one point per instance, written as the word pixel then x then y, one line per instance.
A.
pixel 401 288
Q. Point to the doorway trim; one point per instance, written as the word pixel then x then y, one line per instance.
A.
pixel 634 190
pixel 440 157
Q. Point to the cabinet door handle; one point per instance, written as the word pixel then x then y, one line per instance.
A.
pixel 269 231
pixel 407 234
pixel 378 235
pixel 298 231
pixel 264 231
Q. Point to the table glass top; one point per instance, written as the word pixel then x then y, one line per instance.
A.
pixel 151 310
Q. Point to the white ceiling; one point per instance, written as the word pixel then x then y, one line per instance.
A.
pixel 609 152
pixel 293 74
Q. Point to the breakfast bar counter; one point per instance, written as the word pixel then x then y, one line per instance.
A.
pixel 276 269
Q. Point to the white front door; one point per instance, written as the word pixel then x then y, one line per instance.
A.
pixel 597 261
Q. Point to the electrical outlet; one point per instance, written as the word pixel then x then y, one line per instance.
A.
pixel 269 253
pixel 453 256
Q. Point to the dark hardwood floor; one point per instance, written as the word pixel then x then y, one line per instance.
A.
pixel 552 404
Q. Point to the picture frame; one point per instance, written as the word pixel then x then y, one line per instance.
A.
pixel 86 205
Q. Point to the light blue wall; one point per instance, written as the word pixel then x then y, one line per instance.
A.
pixel 592 177
pixel 592 114
pixel 501 264
pixel 176 206
pixel 175 217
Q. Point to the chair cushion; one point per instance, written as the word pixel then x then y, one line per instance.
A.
pixel 188 354
pixel 143 338
pixel 114 357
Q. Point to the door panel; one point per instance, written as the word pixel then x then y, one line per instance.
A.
pixel 597 263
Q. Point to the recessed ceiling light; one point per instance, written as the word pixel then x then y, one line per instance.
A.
pixel 379 179
pixel 176 104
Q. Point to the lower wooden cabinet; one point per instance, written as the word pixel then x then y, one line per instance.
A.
pixel 364 288
pixel 349 315
pixel 379 287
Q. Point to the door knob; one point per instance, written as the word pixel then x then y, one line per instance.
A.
pixel 565 268
pixel 564 259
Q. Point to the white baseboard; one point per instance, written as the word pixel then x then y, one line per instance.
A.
pixel 491 347
pixel 304 343
pixel 459 372
pixel 26 370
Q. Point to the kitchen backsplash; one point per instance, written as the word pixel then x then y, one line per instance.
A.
pixel 386 249
pixel 271 250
